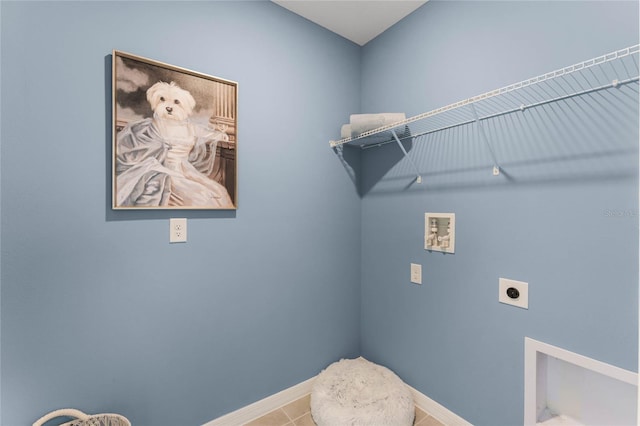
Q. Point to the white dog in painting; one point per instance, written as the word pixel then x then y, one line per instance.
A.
pixel 171 106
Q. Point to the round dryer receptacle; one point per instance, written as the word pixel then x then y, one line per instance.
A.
pixel 513 293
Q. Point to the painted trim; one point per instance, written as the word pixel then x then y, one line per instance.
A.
pixel 603 368
pixel 439 412
pixel 533 363
pixel 260 408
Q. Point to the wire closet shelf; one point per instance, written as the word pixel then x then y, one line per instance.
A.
pixel 612 70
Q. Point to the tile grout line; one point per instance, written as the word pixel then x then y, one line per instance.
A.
pixel 300 417
pixel 286 414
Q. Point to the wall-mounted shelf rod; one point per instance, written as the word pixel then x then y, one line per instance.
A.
pixel 612 70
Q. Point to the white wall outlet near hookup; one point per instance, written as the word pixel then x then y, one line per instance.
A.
pixel 440 232
pixel 513 292
pixel 178 230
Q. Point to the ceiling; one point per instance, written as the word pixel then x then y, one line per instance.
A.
pixel 357 20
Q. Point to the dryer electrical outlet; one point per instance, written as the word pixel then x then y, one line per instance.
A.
pixel 440 232
pixel 512 292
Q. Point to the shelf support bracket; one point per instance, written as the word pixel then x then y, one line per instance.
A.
pixel 496 166
pixel 406 155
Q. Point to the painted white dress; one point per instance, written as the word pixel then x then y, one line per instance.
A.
pixel 159 166
pixel 190 187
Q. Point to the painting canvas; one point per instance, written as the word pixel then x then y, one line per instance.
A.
pixel 174 137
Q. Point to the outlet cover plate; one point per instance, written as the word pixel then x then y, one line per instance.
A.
pixel 522 301
pixel 416 273
pixel 178 230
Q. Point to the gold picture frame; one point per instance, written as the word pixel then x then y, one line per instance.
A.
pixel 174 137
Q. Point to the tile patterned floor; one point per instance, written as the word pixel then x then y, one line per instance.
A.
pixel 298 413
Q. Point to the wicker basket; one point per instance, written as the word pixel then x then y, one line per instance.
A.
pixel 82 419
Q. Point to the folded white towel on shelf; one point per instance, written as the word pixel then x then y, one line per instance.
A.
pixel 361 123
pixel 345 131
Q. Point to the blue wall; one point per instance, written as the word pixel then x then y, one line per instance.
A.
pixel 563 216
pixel 99 311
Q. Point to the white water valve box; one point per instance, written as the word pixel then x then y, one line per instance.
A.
pixel 440 232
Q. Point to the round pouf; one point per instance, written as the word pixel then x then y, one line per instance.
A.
pixel 357 392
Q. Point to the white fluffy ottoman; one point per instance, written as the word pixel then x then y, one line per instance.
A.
pixel 356 392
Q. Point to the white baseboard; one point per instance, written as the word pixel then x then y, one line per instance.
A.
pixel 439 412
pixel 260 408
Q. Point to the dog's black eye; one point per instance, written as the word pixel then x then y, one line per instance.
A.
pixel 162 98
pixel 177 102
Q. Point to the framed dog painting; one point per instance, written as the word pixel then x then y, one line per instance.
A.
pixel 174 137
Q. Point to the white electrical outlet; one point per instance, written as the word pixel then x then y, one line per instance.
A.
pixel 513 292
pixel 177 230
pixel 416 273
